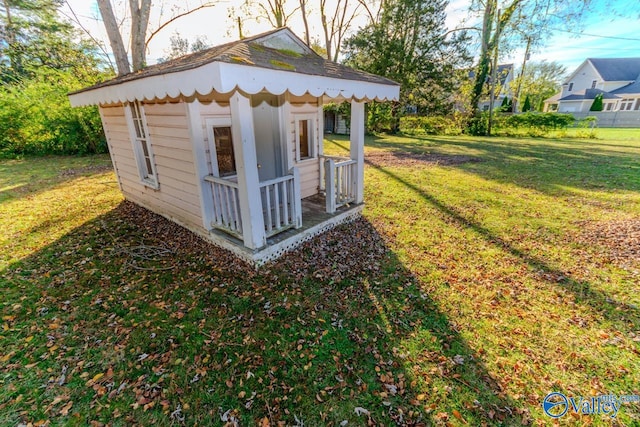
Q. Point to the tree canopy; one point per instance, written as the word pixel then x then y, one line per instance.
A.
pixel 510 23
pixel 539 81
pixel 409 44
pixel 32 36
pixel 42 58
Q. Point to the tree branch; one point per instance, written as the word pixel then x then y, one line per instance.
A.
pixel 82 27
pixel 180 15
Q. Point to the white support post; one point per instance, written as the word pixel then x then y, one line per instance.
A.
pixel 320 128
pixel 330 185
pixel 297 198
pixel 356 147
pixel 244 147
pixel 199 150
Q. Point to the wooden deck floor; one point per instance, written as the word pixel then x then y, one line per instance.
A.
pixel 313 214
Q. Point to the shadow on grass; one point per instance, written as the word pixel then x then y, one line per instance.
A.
pixel 585 294
pixel 549 166
pixel 336 330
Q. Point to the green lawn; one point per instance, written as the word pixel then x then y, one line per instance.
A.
pixel 486 273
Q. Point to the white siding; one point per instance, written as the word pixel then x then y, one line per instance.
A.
pixel 208 111
pixel 582 79
pixel 177 196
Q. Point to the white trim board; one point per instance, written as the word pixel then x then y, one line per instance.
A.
pixel 221 77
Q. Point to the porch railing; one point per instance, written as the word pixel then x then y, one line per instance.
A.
pixel 281 206
pixel 340 181
pixel 226 205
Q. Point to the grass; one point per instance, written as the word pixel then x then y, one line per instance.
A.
pixel 478 295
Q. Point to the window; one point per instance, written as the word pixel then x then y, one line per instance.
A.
pixel 305 137
pixel 570 87
pixel 224 151
pixel 593 84
pixel 637 107
pixel 608 106
pixel 222 156
pixel 141 144
pixel 626 104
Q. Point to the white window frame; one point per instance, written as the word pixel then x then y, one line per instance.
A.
pixel 570 87
pixel 148 178
pixel 627 104
pixel 312 130
pixel 218 122
pixel 593 84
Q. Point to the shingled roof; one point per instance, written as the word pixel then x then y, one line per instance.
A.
pixel 617 69
pixel 589 94
pixel 631 88
pixel 258 52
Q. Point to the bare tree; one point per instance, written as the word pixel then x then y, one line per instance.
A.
pixel 115 38
pixel 140 10
pixel 303 11
pixel 140 35
pixel 276 12
pixel 336 24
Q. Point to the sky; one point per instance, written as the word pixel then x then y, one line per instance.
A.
pixel 608 33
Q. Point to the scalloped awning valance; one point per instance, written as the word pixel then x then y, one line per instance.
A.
pixel 221 77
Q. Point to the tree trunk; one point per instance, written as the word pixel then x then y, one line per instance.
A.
pixel 10 30
pixel 303 10
pixel 489 43
pixel 516 101
pixel 140 10
pixel 325 28
pixel 485 51
pixel 115 38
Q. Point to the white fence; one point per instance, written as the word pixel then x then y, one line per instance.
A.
pixel 281 203
pixel 340 182
pixel 613 119
pixel 226 205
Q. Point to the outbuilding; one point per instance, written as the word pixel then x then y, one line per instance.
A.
pixel 228 142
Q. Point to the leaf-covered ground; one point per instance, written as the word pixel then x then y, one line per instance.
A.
pixel 484 274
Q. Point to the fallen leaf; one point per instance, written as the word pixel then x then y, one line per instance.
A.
pixel 458 415
pixel 361 411
pixel 64 411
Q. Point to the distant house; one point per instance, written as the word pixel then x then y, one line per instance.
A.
pixel 228 141
pixel 335 122
pixel 505 76
pixel 616 79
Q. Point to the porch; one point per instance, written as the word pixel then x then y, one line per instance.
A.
pixel 287 219
pixel 266 160
pixel 315 221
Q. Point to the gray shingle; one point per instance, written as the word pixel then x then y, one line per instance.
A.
pixel 249 52
pixel 589 94
pixel 617 69
pixel 632 88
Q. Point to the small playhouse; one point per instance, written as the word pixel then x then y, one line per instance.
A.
pixel 228 142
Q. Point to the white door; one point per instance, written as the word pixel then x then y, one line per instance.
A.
pixel 266 122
